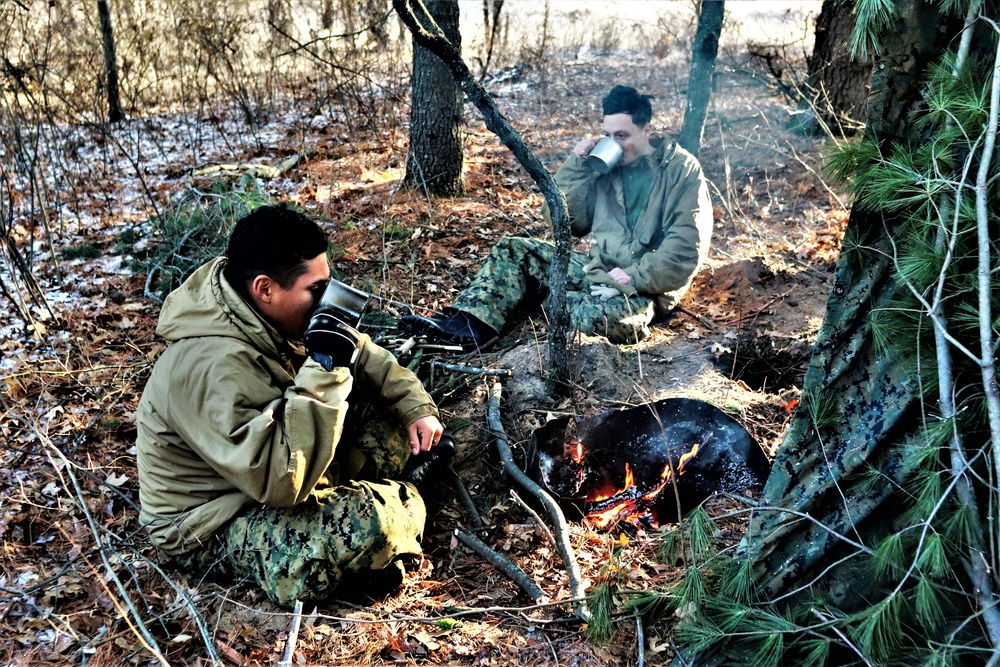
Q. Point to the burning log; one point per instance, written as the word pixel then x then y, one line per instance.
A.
pixel 629 495
pixel 624 464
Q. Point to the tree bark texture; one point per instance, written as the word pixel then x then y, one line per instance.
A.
pixel 706 46
pixel 434 163
pixel 115 113
pixel 414 16
pixel 872 390
pixel 838 84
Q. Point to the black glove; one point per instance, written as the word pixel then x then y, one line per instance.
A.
pixel 331 341
pixel 425 464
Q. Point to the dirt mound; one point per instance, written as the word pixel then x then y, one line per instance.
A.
pixel 737 279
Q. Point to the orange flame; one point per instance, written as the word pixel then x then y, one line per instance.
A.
pixel 687 457
pixel 602 519
pixel 628 505
pixel 664 480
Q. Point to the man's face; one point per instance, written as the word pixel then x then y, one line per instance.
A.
pixel 633 139
pixel 290 309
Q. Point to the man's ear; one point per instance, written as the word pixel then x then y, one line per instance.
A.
pixel 261 289
pixel 648 129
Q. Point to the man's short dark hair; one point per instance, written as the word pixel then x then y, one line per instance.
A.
pixel 275 241
pixel 625 99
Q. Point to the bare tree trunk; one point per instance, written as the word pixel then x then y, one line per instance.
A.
pixel 110 63
pixel 434 163
pixel 414 15
pixel 838 84
pixel 491 22
pixel 706 46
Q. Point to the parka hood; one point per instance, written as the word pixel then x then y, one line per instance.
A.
pixel 207 305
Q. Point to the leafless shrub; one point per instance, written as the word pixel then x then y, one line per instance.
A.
pixel 231 64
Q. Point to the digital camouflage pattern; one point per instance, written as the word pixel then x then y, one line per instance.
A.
pixel 860 403
pixel 364 522
pixel 515 274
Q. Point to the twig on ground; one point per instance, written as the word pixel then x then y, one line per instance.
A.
pixel 184 597
pixel 534 515
pixel 258 170
pixel 463 494
pixel 640 639
pixel 756 311
pixel 293 635
pixel 502 563
pixel 441 348
pixel 698 316
pixel 459 368
pixel 679 659
pixel 453 384
pixel 562 531
pixel 395 618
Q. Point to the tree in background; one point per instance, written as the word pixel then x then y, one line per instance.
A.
pixel 115 113
pixel 876 540
pixel 703 52
pixel 434 163
pixel 491 25
pixel 836 81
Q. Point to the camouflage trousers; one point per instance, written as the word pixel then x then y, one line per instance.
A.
pixel 515 275
pixel 356 527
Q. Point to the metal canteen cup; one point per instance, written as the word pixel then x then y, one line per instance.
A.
pixel 344 299
pixel 605 155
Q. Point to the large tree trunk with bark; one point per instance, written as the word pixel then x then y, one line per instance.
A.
pixel 706 46
pixel 434 163
pixel 837 83
pixel 115 113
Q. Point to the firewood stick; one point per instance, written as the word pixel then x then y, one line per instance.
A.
pixel 463 495
pixel 293 636
pixel 562 531
pixel 513 572
pixel 534 516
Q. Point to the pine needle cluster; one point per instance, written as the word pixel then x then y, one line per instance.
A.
pixel 194 230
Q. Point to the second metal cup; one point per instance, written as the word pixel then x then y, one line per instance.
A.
pixel 604 155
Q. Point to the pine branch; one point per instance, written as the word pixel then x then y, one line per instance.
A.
pixel 986 342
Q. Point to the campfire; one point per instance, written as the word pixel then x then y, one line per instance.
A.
pixel 647 465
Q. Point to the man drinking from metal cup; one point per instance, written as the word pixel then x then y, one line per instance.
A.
pixel 645 203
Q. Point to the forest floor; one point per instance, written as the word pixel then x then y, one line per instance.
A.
pixel 73 556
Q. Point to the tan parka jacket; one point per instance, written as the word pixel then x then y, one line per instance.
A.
pixel 671 237
pixel 226 421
